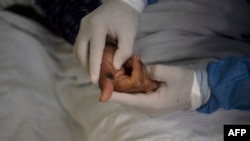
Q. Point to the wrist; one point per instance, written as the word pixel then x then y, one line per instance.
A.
pixel 139 5
pixel 200 91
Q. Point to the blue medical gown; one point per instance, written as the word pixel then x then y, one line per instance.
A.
pixel 229 81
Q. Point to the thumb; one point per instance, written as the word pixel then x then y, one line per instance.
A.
pixel 158 72
pixel 107 90
pixel 124 99
pixel 97 44
pixel 124 51
pixel 161 72
pixel 138 100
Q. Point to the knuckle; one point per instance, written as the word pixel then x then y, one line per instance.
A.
pixel 93 20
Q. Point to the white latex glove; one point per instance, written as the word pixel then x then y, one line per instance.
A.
pixel 179 90
pixel 115 18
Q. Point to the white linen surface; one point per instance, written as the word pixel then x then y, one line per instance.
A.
pixel 45 95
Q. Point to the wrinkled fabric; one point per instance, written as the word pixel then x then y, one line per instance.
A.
pixel 160 40
pixel 66 15
pixel 29 107
pixel 229 81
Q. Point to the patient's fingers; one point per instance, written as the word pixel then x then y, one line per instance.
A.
pixel 131 78
pixel 124 84
pixel 107 74
pixel 130 83
pixel 106 81
pixel 107 89
pixel 141 78
pixel 137 71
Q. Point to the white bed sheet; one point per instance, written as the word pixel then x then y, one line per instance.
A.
pixel 29 107
pixel 45 94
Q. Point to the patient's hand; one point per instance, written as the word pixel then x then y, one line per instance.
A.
pixel 131 78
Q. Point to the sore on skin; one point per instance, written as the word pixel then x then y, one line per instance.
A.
pixel 131 78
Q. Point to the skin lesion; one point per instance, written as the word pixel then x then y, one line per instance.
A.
pixel 131 78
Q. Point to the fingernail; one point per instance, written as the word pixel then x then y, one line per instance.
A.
pixel 103 99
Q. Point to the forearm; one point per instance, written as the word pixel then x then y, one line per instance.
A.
pixel 229 82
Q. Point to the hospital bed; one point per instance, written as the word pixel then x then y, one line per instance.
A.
pixel 45 95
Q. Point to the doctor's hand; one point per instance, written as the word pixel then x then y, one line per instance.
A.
pixel 174 93
pixel 114 18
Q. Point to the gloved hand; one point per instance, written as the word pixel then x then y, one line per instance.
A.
pixel 179 89
pixel 115 18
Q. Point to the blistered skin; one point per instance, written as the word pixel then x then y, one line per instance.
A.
pixel 131 78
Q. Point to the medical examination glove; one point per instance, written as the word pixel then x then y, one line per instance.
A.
pixel 179 90
pixel 115 18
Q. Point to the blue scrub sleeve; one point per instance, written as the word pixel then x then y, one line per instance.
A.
pixel 229 81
